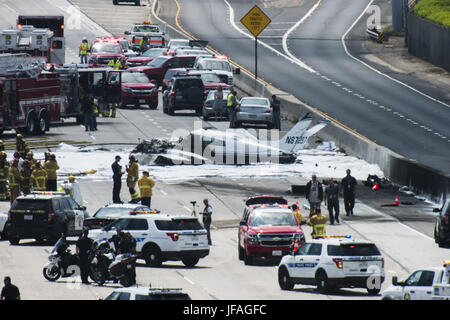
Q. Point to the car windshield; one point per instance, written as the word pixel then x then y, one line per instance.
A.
pixel 254 102
pixel 157 62
pixel 182 84
pixel 124 44
pixel 101 47
pixel 146 28
pixel 211 95
pixel 134 77
pixel 214 65
pixel 178 43
pixel 31 204
pixel 178 224
pixel 192 52
pixel 110 212
pixel 272 219
pixel 354 249
pixel 210 77
pixel 171 72
pixel 153 52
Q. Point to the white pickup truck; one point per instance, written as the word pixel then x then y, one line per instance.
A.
pixel 430 283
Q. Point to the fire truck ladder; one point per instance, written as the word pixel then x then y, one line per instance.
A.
pixel 20 63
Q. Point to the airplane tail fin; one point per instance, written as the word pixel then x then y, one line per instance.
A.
pixel 293 137
pixel 308 133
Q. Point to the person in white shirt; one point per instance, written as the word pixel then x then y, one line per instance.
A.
pixel 73 189
pixel 207 212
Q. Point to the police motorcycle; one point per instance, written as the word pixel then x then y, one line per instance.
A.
pixel 105 265
pixel 53 269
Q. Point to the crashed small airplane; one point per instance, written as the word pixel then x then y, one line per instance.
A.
pixel 208 145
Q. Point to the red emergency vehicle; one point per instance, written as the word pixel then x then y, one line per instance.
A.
pixel 30 99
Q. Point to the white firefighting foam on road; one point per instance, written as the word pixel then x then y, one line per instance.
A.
pixel 77 161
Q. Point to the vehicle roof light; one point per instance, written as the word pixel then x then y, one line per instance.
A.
pixel 48 192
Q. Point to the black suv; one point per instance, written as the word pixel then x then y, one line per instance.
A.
pixel 184 92
pixel 442 228
pixel 44 217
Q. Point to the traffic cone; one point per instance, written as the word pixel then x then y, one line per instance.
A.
pixel 296 246
pixel 396 202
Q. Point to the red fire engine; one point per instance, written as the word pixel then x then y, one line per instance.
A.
pixel 30 99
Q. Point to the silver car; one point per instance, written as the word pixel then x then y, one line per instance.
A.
pixel 209 107
pixel 255 110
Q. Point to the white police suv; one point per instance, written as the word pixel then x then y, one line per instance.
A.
pixel 333 262
pixel 161 237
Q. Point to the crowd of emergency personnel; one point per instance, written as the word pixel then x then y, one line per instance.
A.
pixel 24 173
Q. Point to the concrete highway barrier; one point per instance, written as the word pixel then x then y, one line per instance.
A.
pixel 419 178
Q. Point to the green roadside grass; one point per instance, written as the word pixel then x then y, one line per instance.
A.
pixel 435 10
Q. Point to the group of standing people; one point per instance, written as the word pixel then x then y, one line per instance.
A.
pixel 145 183
pixel 315 194
pixel 25 173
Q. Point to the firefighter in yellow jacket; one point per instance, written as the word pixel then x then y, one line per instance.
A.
pixel 4 176
pixel 51 166
pixel 15 178
pixel 146 184
pixel 21 146
pixel 132 178
pixel 38 179
pixel 317 222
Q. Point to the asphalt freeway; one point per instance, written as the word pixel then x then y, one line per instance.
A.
pixel 404 234
pixel 385 111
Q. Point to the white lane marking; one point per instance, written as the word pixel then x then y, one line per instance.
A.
pixel 376 70
pixel 286 35
pixel 163 192
pixel 295 60
pixel 188 280
pixel 188 209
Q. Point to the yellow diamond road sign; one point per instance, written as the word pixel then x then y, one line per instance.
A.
pixel 255 21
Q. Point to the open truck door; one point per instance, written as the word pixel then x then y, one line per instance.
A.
pixel 113 88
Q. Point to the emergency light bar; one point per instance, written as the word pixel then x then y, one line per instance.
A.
pixel 49 193
pixel 333 236
pixel 144 212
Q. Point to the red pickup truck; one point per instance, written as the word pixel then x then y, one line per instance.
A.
pixel 157 68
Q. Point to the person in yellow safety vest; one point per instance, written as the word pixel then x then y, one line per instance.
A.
pixel 38 179
pixel 132 178
pixel 297 213
pixel 15 178
pixel 95 104
pixel 51 166
pixel 146 184
pixel 115 63
pixel 21 146
pixel 30 158
pixel 4 176
pixel 26 174
pixel 83 50
pixel 144 43
pixel 317 222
